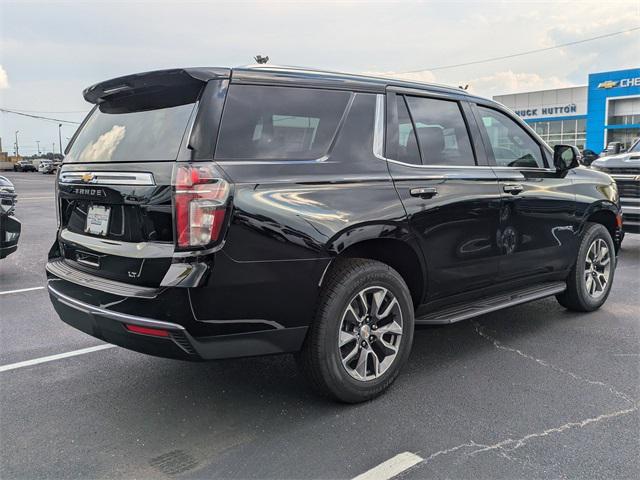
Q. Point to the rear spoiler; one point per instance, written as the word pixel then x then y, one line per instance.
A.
pixel 177 77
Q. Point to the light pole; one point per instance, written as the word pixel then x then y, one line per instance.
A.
pixel 38 143
pixel 17 149
pixel 53 149
pixel 60 137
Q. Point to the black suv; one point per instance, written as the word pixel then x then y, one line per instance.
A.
pixel 210 213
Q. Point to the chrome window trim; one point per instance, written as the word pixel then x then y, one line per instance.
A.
pixel 526 169
pixel 107 178
pixel 378 144
pixel 322 159
pixel 443 167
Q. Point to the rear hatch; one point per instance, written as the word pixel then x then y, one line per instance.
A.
pixel 115 185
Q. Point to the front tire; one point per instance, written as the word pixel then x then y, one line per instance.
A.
pixel 590 280
pixel 362 333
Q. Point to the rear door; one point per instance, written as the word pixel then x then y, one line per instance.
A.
pixel 450 195
pixel 537 234
pixel 115 186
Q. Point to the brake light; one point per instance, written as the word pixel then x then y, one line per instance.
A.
pixel 200 203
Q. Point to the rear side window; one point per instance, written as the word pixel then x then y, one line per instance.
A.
pixel 132 130
pixel 279 123
pixel 442 132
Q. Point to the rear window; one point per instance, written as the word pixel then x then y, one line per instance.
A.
pixel 279 123
pixel 118 135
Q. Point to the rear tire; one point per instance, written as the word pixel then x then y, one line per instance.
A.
pixel 589 282
pixel 336 357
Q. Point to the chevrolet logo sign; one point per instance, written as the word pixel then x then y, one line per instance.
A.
pixel 608 84
pixel 87 177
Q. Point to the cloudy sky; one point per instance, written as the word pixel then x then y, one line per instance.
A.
pixel 50 51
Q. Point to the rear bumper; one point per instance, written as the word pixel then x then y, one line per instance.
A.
pixel 110 326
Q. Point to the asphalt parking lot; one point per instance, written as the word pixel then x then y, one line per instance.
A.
pixel 530 392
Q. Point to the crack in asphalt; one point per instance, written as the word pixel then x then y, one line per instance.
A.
pixel 510 444
pixel 500 346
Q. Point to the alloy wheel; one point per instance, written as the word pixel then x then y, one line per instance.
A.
pixel 370 333
pixel 597 269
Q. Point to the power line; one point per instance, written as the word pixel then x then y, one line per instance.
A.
pixel 529 52
pixel 45 111
pixel 5 110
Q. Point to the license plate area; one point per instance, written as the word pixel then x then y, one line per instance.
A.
pixel 98 220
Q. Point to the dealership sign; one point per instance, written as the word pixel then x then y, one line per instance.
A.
pixel 548 111
pixel 625 82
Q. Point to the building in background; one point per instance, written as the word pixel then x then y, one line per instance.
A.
pixel 590 117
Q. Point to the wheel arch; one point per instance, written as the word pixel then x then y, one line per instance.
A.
pixel 399 254
pixel 607 216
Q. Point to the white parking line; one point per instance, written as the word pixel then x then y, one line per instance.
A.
pixel 392 467
pixel 21 199
pixel 51 358
pixel 21 290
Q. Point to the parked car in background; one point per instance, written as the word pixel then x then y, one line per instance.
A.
pixel 625 169
pixel 47 166
pixel 612 148
pixel 24 166
pixel 212 213
pixel 10 226
pixel 588 156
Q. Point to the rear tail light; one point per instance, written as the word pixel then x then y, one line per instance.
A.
pixel 200 203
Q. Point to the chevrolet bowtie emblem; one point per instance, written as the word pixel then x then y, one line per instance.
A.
pixel 87 177
pixel 608 84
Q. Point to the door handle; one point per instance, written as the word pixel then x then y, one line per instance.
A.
pixel 423 192
pixel 513 188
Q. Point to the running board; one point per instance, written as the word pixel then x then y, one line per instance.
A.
pixel 491 304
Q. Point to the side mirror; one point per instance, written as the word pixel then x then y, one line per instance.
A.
pixel 566 157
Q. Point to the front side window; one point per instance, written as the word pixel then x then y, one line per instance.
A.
pixel 407 143
pixel 442 132
pixel 281 123
pixel 512 146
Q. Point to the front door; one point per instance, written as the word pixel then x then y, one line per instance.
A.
pixel 538 224
pixel 452 200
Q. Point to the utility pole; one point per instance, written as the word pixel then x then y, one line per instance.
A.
pixel 60 137
pixel 17 148
pixel 38 142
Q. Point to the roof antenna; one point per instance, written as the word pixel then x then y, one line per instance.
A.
pixel 260 59
pixel 465 87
